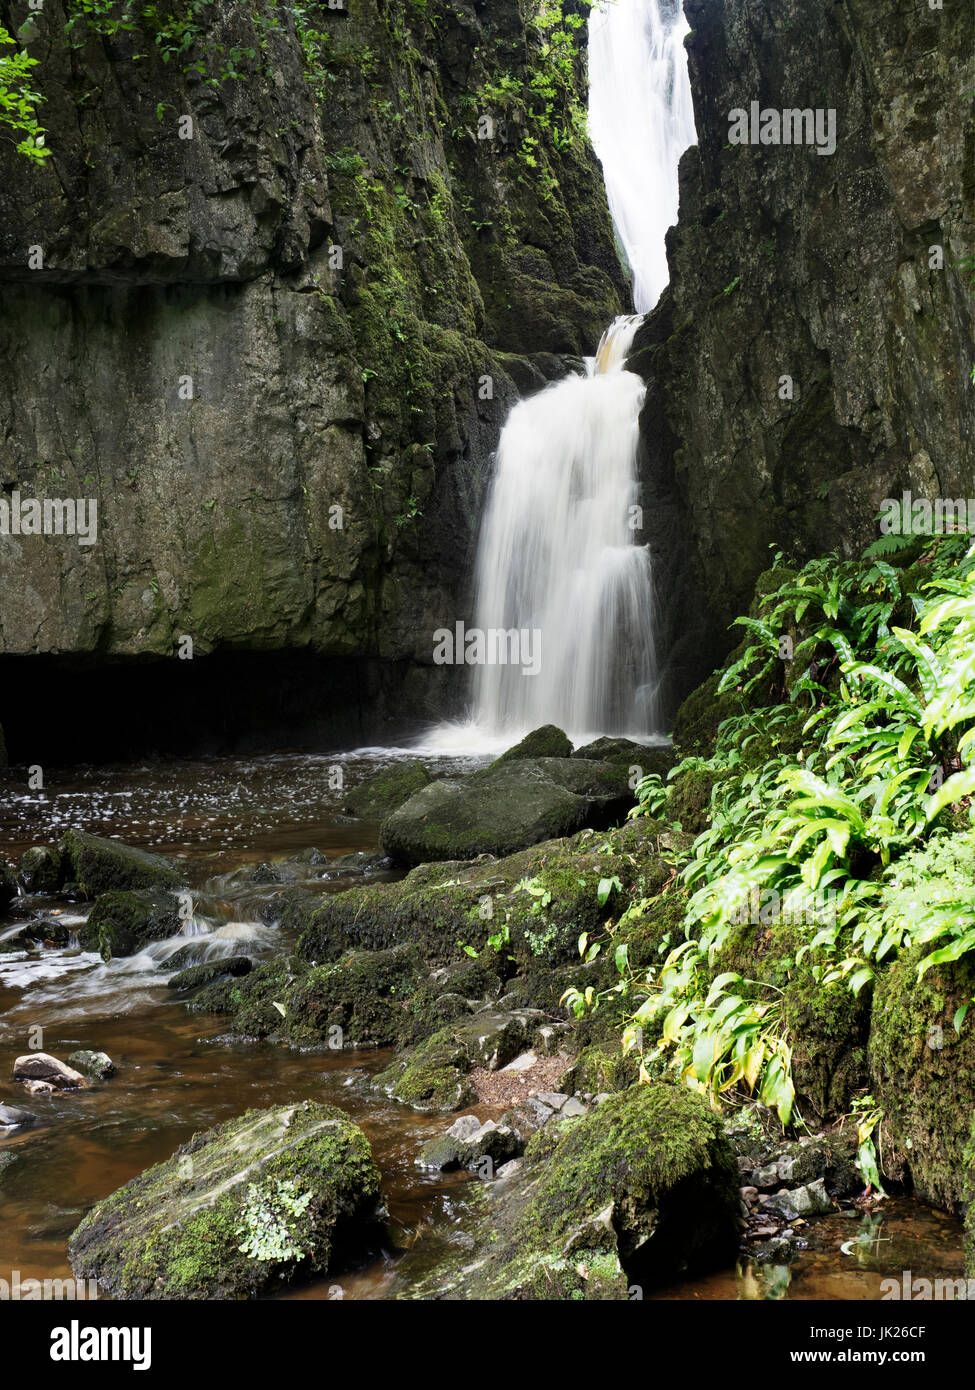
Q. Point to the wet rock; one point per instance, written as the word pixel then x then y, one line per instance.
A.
pixel 99 865
pixel 491 1039
pixel 14 1116
pixel 120 923
pixel 7 1161
pixel 40 870
pixel 193 953
pixel 196 976
pixel 237 1211
pixel 96 1065
pixel 468 1143
pixel 44 931
pixel 265 873
pixel 546 742
pixel 505 808
pixel 42 1067
pixel 380 795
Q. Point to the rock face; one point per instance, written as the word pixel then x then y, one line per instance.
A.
pixel 787 263
pixel 237 1210
pixel 283 346
pixel 511 804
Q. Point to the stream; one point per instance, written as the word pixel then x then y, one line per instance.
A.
pixel 176 1074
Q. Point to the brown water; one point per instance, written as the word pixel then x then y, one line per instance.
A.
pixel 176 1074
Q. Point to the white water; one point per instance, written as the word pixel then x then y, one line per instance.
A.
pixel 557 557
pixel 641 120
pixel 560 554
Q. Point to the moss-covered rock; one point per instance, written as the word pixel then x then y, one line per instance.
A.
pixel 98 865
pixel 924 1075
pixel 362 1000
pixel 433 1077
pixel 540 899
pixel 40 870
pixel 196 976
pixel 379 796
pixel 505 807
pixel 639 1191
pixel 120 923
pixel 237 1211
pixel 546 742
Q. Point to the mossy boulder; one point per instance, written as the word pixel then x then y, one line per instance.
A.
pixel 40 870
pixel 380 795
pixel 541 898
pixel 647 757
pixel 546 742
pixel 8 885
pixel 506 807
pixel 924 1075
pixel 121 923
pixel 362 1000
pixel 196 976
pixel 98 865
pixel 432 1077
pixel 238 1211
pixel 640 1191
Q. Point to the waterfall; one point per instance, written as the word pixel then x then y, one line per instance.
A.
pixel 557 557
pixel 560 561
pixel 641 120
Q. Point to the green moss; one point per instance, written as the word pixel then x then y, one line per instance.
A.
pixel 924 1074
pixel 378 796
pixel 433 1077
pixel 98 865
pixel 546 742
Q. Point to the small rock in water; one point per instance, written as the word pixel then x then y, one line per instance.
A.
pixel 7 1160
pixel 464 1128
pixel 12 1116
pixel 811 1200
pixel 40 1088
pixel 94 1064
pixel 42 1068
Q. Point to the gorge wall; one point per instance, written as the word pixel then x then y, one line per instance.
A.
pixel 339 260
pixel 788 263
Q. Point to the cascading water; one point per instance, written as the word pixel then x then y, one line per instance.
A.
pixel 559 558
pixel 641 120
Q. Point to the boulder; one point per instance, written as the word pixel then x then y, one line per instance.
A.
pixel 96 1065
pixel 98 865
pixel 646 757
pixel 546 742
pixel 506 807
pixel 379 796
pixel 40 870
pixel 121 922
pixel 471 1144
pixel 640 1191
pixel 42 1067
pixel 238 1211
pixel 196 976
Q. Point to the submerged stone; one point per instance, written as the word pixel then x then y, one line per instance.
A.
pixel 40 870
pixel 196 976
pixel 97 1065
pixel 238 1211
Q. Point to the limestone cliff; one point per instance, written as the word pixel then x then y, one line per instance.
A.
pixel 819 268
pixel 276 341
